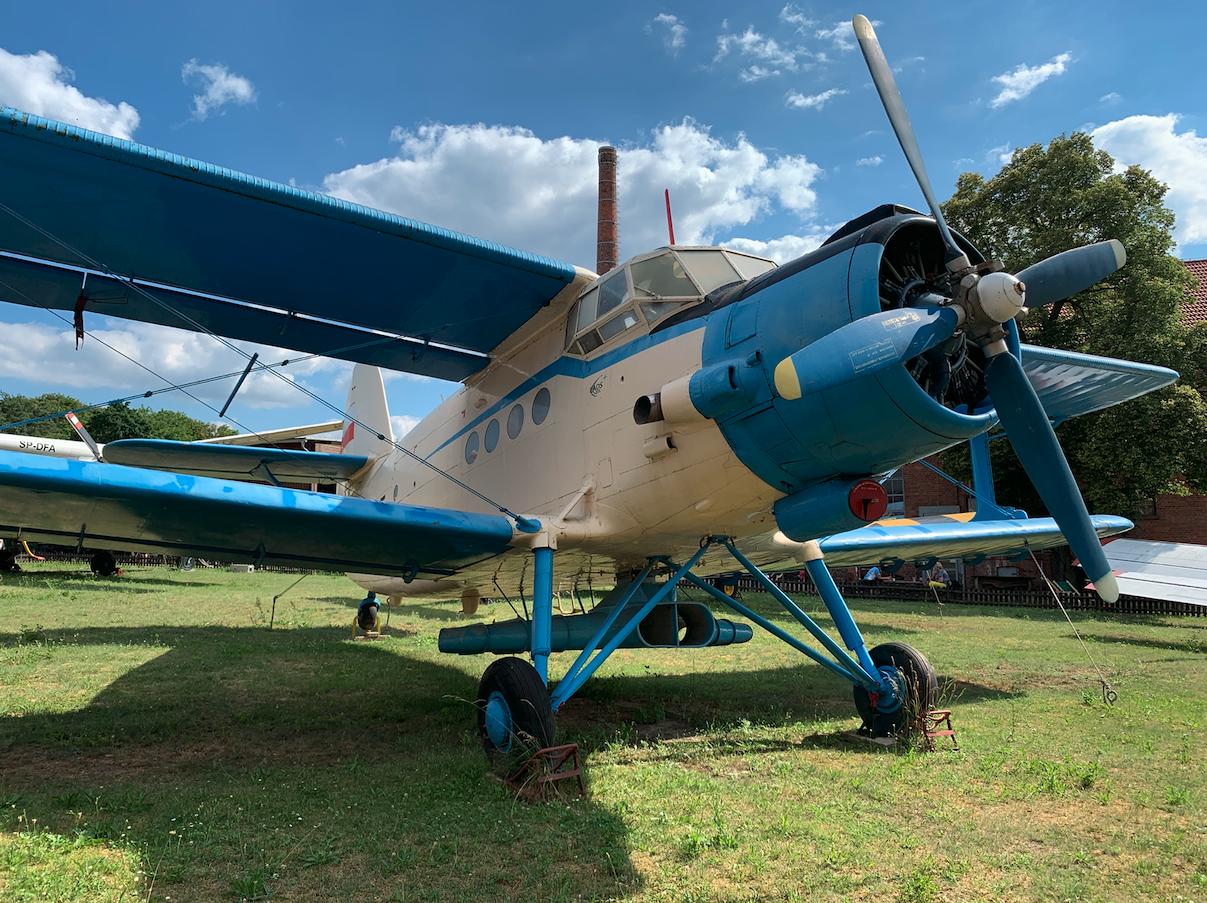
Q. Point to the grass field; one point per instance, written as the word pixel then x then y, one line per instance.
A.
pixel 157 741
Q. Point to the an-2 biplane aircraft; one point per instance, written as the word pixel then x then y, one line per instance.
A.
pixel 692 411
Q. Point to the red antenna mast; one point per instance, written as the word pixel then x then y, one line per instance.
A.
pixel 670 224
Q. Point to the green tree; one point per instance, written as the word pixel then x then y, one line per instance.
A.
pixel 17 408
pixel 119 421
pixel 1047 200
pixel 115 421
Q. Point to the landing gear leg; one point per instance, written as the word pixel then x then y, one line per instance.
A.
pixel 515 716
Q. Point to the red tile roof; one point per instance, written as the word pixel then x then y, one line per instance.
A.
pixel 1195 310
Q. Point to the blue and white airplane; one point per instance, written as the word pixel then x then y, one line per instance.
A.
pixel 692 411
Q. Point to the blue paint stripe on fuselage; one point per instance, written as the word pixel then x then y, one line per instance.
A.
pixel 577 368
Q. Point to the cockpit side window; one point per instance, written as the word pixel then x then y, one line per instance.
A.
pixel 662 277
pixel 710 268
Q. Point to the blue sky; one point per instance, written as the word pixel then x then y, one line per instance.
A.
pixel 483 117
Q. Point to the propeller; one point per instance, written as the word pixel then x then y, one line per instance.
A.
pixel 886 86
pixel 1034 441
pixel 1070 272
pixel 983 300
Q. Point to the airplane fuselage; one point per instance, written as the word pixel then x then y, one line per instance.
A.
pixel 553 430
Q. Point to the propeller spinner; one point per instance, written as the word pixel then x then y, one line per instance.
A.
pixel 978 301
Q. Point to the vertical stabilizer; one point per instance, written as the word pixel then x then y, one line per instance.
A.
pixel 367 404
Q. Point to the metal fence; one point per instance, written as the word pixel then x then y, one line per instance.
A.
pixel 1085 600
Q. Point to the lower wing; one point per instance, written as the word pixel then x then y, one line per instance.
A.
pixel 107 506
pixel 889 543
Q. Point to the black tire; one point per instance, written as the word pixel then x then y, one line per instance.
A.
pixel 8 561
pixel 920 692
pixel 103 563
pixel 522 717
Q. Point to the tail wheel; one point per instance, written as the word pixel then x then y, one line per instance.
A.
pixel 910 670
pixel 103 564
pixel 515 717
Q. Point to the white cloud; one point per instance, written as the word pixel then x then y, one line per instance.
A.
pixel 870 161
pixel 999 155
pixel 220 84
pixel 1178 160
pixel 792 15
pixel 175 354
pixel 38 83
pixel 1022 81
pixel 505 184
pixel 781 250
pixel 799 101
pixel 756 73
pixel 1113 98
pixel 752 44
pixel 676 32
pixel 402 424
pixel 841 35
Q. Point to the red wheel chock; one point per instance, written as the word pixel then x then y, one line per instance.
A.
pixel 539 777
pixel 936 723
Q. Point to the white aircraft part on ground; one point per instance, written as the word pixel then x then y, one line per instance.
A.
pixel 1174 571
pixel 54 448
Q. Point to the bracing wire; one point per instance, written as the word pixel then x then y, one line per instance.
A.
pixel 183 387
pixel 1109 696
pixel 521 522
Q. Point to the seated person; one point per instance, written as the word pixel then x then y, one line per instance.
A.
pixel 872 575
pixel 938 577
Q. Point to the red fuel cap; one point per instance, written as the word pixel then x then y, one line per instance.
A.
pixel 868 500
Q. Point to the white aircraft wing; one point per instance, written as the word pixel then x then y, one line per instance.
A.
pixel 1174 571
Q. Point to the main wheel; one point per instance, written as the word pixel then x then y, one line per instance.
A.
pixel 918 690
pixel 514 713
pixel 8 561
pixel 103 563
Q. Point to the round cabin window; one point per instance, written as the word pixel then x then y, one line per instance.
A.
pixel 471 448
pixel 492 435
pixel 515 421
pixel 540 407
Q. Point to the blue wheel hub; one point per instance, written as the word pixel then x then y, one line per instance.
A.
pixel 498 721
pixel 891 684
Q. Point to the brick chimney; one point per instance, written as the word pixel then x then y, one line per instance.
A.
pixel 607 246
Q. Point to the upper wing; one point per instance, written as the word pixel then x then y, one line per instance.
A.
pixel 957 536
pixel 107 506
pixel 1070 384
pixel 234 462
pixel 250 259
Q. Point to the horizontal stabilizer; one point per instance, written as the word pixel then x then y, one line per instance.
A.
pixel 251 259
pixel 105 506
pixel 1070 384
pixel 233 462
pixel 919 539
pixel 1174 571
pixel 281 435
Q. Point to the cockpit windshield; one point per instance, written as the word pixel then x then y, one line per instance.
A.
pixel 644 290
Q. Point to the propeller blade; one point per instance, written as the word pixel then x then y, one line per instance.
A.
pixel 867 346
pixel 890 97
pixel 1070 272
pixel 1035 443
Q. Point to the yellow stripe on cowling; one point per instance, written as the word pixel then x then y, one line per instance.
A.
pixel 787 383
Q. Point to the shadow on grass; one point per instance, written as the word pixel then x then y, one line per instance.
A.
pixel 1194 646
pixel 315 750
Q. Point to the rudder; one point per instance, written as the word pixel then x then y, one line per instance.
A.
pixel 367 405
